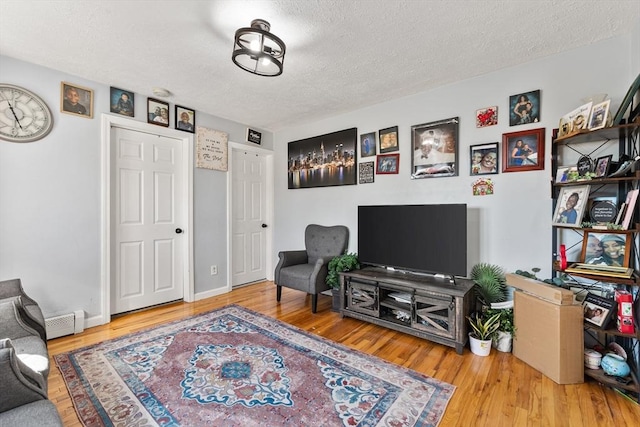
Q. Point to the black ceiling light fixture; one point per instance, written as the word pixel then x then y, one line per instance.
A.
pixel 258 51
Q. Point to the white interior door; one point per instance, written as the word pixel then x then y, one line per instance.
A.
pixel 148 218
pixel 249 234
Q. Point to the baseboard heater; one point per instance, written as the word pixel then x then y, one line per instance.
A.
pixel 67 324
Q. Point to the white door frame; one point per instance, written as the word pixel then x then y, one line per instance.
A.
pixel 108 122
pixel 268 214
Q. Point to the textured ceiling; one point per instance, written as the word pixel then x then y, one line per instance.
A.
pixel 341 54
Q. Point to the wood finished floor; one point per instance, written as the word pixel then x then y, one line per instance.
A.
pixel 498 390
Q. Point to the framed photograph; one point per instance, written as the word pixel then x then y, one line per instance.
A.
pixel 602 166
pixel 323 161
pixel 366 172
pixel 76 100
pixel 157 112
pixel 368 144
pixel 598 117
pixel 252 135
pixel 626 102
pixel 388 139
pixel 571 206
pixel 606 249
pixel 122 102
pixel 487 116
pixel 523 151
pixel 435 149
pixel 563 172
pixel 484 159
pixel 388 164
pixel 524 108
pixel 185 119
pixel 597 310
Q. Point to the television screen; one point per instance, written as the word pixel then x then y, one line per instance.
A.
pixel 421 238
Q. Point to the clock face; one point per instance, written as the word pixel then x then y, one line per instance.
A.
pixel 24 116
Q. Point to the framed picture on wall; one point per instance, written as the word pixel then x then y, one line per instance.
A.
pixel 366 172
pixel 388 164
pixel 368 144
pixel 524 108
pixel 388 139
pixel 185 119
pixel 434 148
pixel 76 100
pixel 122 102
pixel 523 151
pixel 484 159
pixel 157 112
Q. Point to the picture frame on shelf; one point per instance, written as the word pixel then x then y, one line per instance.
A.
pixel 157 112
pixel 524 108
pixel 434 149
pixel 388 164
pixel 597 310
pixel 598 116
pixel 602 166
pixel 570 206
pixel 606 249
pixel 366 172
pixel 626 101
pixel 122 102
pixel 563 174
pixel 629 208
pixel 76 100
pixel 523 151
pixel 368 144
pixel 484 159
pixel 186 119
pixel 388 139
pixel 487 116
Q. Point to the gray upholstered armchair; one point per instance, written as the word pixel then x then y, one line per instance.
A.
pixel 23 393
pixel 306 270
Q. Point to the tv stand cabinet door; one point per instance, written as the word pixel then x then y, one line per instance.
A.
pixel 435 314
pixel 362 297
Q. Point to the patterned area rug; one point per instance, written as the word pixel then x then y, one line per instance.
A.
pixel 236 367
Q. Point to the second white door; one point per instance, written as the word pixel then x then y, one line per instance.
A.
pixel 249 213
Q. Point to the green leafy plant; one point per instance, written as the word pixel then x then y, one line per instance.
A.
pixel 483 327
pixel 341 263
pixel 561 280
pixel 490 283
pixel 505 318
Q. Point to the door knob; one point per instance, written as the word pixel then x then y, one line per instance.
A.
pixel 178 230
pixel 264 225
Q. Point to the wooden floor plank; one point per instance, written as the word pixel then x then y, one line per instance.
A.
pixel 497 390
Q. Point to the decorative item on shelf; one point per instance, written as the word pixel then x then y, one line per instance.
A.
pixel 482 328
pixel 625 165
pixel 624 299
pixel 630 207
pixel 584 165
pixel 592 358
pixel 598 310
pixel 563 257
pixel 570 206
pixel 600 116
pixel 602 166
pixel 258 51
pixel 602 212
pixel 615 365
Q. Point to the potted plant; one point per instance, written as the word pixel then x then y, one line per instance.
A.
pixel 341 263
pixel 482 328
pixel 503 336
pixel 490 283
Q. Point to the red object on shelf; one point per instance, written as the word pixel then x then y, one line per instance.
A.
pixel 625 312
pixel 563 257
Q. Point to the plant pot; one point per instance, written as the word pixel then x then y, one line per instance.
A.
pixel 503 341
pixel 479 347
pixel 335 302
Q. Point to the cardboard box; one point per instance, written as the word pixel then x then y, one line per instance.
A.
pixel 549 337
pixel 551 293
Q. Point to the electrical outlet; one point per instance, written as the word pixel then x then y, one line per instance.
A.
pixel 214 270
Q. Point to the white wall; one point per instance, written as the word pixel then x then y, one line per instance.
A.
pixel 50 202
pixel 511 228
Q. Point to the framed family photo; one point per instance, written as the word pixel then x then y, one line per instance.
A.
pixel 76 100
pixel 524 108
pixel 122 102
pixel 484 159
pixel 368 144
pixel 523 151
pixel 185 119
pixel 606 249
pixel 435 149
pixel 597 310
pixel 571 206
pixel 388 139
pixel 157 112
pixel 602 166
pixel 388 164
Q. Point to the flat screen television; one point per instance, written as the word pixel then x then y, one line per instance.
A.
pixel 417 238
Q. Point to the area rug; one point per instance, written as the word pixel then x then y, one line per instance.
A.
pixel 236 367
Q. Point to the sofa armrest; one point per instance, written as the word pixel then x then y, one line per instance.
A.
pixel 19 385
pixel 11 323
pixel 13 288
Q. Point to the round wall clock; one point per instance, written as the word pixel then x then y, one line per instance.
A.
pixel 24 116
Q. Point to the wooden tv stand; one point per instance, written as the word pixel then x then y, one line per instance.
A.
pixel 429 307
